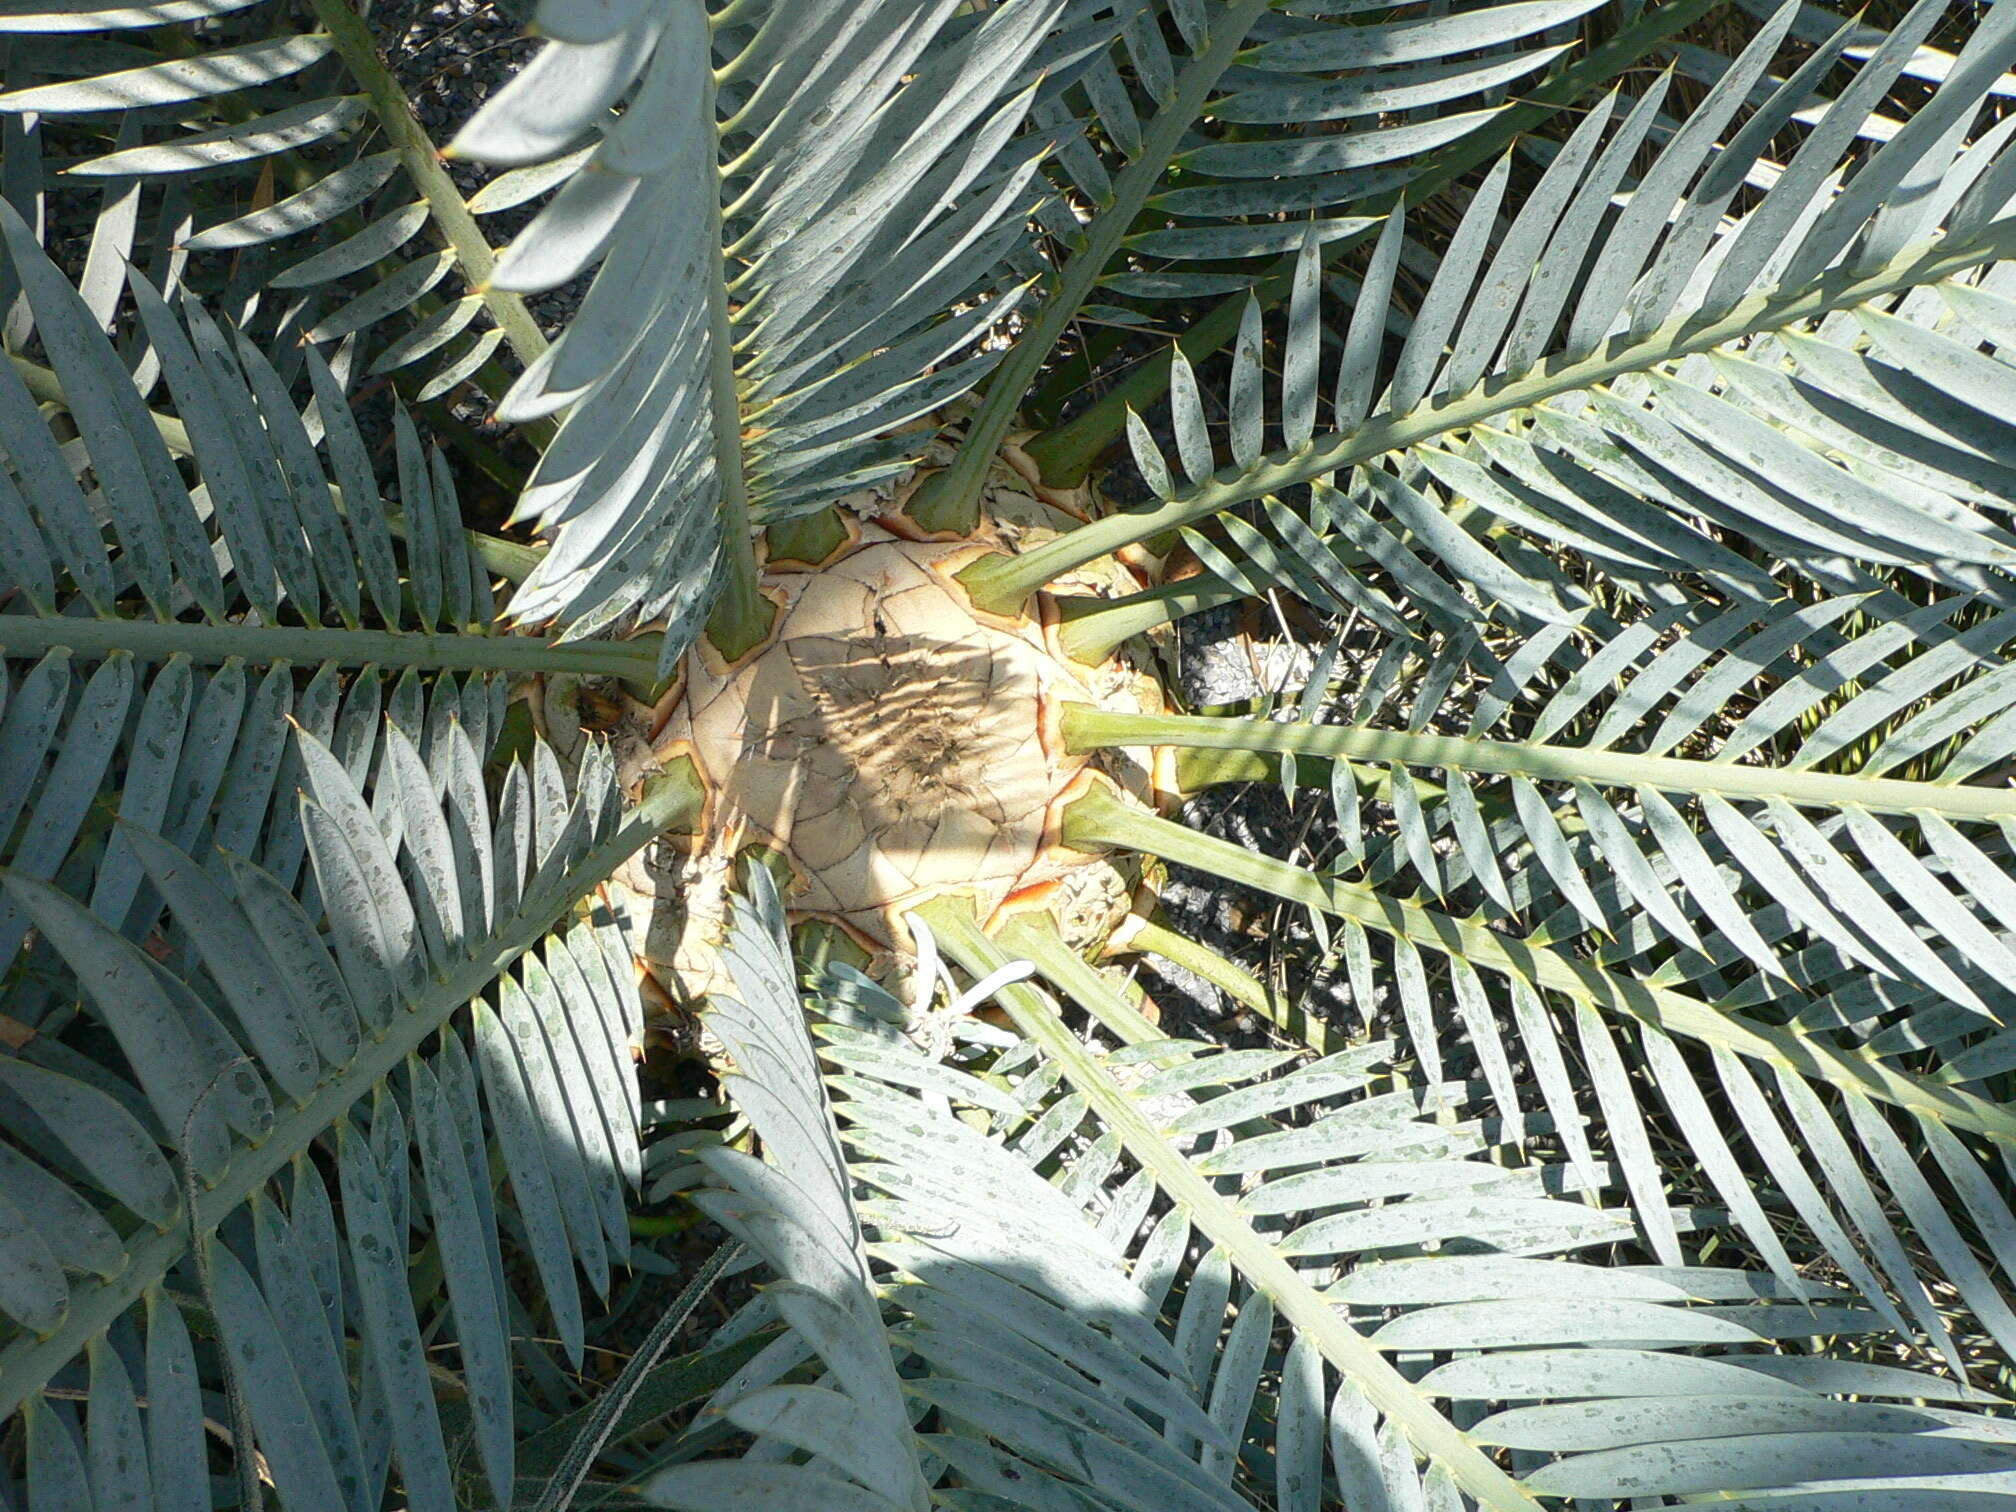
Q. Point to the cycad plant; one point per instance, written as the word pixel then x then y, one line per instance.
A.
pixel 1616 401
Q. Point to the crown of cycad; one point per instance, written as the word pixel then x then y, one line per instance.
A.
pixel 890 744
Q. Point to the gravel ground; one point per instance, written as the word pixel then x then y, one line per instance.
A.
pixel 452 54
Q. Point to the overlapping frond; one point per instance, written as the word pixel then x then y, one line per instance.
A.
pixel 1031 1396
pixel 217 129
pixel 1167 1273
pixel 1442 75
pixel 1704 644
pixel 1208 140
pixel 1653 368
pixel 796 1210
pixel 1415 1251
pixel 798 222
pixel 162 637
pixel 1631 1049
pixel 271 527
pixel 1841 820
pixel 251 868
pixel 259 1055
pixel 1676 32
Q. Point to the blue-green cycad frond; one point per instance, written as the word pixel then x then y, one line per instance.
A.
pixel 1817 890
pixel 1157 1272
pixel 1207 141
pixel 799 223
pixel 266 1067
pixel 795 1209
pixel 253 870
pixel 161 636
pixel 1706 519
pixel 984 1341
pixel 273 528
pixel 344 247
pixel 1626 368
